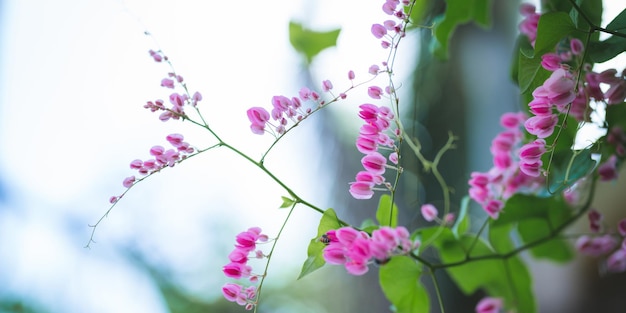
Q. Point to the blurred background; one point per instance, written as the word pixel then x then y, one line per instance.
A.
pixel 75 76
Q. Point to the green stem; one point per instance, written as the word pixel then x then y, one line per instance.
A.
pixel 269 256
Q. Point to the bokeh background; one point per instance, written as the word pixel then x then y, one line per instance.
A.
pixel 75 75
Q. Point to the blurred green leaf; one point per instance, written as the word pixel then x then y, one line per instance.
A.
pixel 535 218
pixel 458 12
pixel 500 277
pixel 605 50
pixel 400 282
pixel 315 259
pixel 387 212
pixel 310 43
pixel 462 223
pixel 618 23
pixel 552 28
pixel 568 168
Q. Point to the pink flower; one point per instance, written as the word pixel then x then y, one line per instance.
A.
pixel 236 270
pixel 361 190
pixel 374 69
pixel 576 46
pixel 559 87
pixel 167 83
pixel 595 220
pixel 374 92
pixel 379 31
pixel 616 93
pixel 366 145
pixel 334 254
pixel 351 75
pixel 374 163
pixel 156 56
pixel 489 305
pixel 429 212
pixel 616 262
pixel 608 169
pixel 551 61
pixel 128 181
pixel 532 152
pixel 327 85
pixel 258 117
pixel 231 291
pixel 541 126
pixel 493 208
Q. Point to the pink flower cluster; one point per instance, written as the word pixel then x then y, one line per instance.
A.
pixel 286 109
pixel 516 167
pixel 606 245
pixel 355 250
pixel 529 24
pixel 177 101
pixel 375 133
pixel 238 267
pixel 489 305
pixel 161 158
pixel 389 30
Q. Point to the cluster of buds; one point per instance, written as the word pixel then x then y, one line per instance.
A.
pixel 355 250
pixel 238 267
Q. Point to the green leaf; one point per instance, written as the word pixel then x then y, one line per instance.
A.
pixel 499 276
pixel 605 50
pixel 536 218
pixel 568 168
pixel 310 43
pixel 530 74
pixel 387 212
pixel 458 12
pixel 315 258
pixel 552 28
pixel 400 282
pixel 287 203
pixel 462 223
pixel 618 23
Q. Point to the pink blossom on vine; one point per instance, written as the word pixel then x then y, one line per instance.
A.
pixel 128 181
pixel 551 61
pixel 528 26
pixel 258 117
pixel 156 56
pixel 327 85
pixel 361 190
pixel 493 208
pixel 374 69
pixel 541 126
pixel 355 250
pixel 576 46
pixel 374 163
pixel 595 220
pixel 616 262
pixel 379 31
pixel 608 169
pixel 595 246
pixel 237 270
pixel 429 212
pixel 167 83
pixel 489 305
pixel 374 92
pixel 351 75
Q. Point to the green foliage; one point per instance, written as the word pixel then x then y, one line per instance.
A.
pixel 458 12
pixel 387 212
pixel 400 282
pixel 552 28
pixel 315 258
pixel 537 221
pixel 287 202
pixel 310 43
pixel 462 224
pixel 474 265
